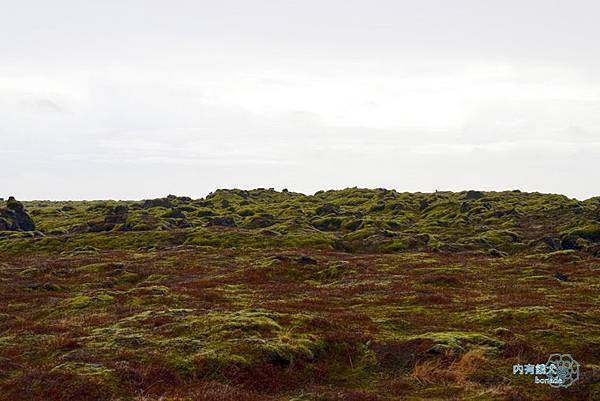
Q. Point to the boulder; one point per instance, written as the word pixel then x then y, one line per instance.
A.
pixel 14 217
pixel 474 195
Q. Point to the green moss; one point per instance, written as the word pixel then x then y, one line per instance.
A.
pixel 334 271
pixel 156 278
pixel 28 272
pixel 395 245
pixel 497 238
pixel 459 340
pixel 328 223
pixel 509 317
pixel 212 342
pixel 100 267
pixel 81 250
pixel 569 254
pixel 53 287
pixel 589 232
pixel 126 277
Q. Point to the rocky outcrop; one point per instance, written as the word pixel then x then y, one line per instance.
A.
pixel 14 217
pixel 116 215
pixel 474 195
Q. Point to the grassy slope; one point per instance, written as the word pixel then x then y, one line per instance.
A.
pixel 344 295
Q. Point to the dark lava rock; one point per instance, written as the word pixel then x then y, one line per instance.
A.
pixel 550 243
pixel 14 204
pixel 474 195
pixel 222 221
pixel 121 209
pixel 98 226
pixel 569 243
pixel 160 202
pixel 306 260
pixel 561 277
pixel 205 213
pixel 116 215
pixel 14 217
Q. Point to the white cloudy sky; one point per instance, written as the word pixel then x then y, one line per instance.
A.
pixel 133 99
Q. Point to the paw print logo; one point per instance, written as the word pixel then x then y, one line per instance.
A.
pixel 562 370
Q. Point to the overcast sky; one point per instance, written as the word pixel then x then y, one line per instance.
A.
pixel 135 99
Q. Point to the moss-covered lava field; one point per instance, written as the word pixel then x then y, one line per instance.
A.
pixel 357 295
